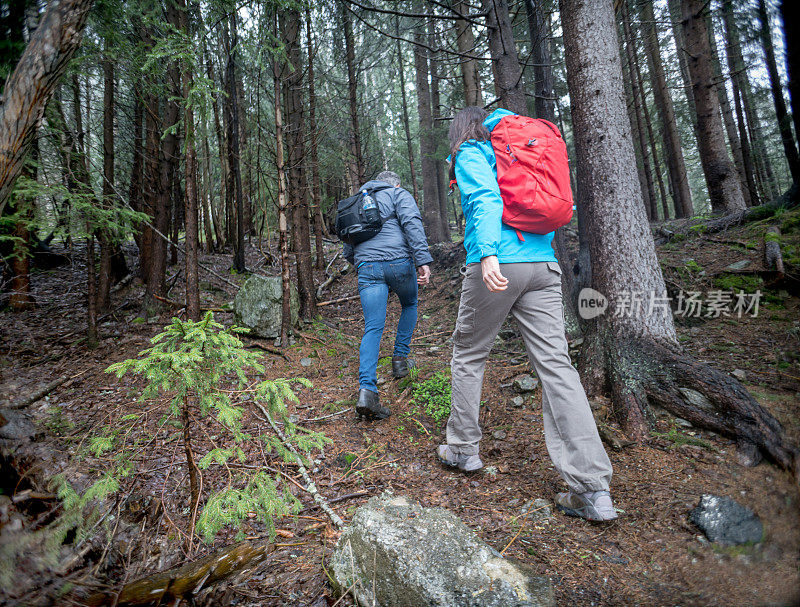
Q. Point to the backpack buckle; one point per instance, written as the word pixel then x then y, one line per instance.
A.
pixel 531 142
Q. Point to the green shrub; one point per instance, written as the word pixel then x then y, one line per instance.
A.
pixel 433 396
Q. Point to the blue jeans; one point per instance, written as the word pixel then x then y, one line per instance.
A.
pixel 375 278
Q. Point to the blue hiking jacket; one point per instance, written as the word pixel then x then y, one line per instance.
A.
pixel 485 234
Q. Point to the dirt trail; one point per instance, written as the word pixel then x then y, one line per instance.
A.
pixel 650 556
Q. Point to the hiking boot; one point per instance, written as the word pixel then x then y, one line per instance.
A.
pixel 369 406
pixel 465 463
pixel 401 366
pixel 592 505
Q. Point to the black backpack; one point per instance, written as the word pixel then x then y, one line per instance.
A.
pixel 354 223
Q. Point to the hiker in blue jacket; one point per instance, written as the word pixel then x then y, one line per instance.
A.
pixel 397 258
pixel 514 272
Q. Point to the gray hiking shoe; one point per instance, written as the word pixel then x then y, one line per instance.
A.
pixel 401 366
pixel 592 505
pixel 465 463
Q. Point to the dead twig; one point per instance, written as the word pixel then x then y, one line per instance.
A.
pixel 311 487
pixel 25 401
pixel 336 301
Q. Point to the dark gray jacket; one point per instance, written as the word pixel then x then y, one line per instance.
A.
pixel 402 234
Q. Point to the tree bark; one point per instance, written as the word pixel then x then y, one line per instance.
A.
pixel 234 140
pixel 636 76
pixel 636 355
pixel 357 172
pixel 739 76
pixel 427 146
pixel 505 60
pixel 283 228
pixel 295 134
pixel 784 121
pixel 637 120
pixel 465 41
pixel 104 237
pixel 316 190
pixel 790 14
pixel 180 19
pixel 406 127
pixel 135 183
pixel 33 81
pixel 742 161
pixel 439 135
pixel 679 183
pixel 724 188
pixel 542 63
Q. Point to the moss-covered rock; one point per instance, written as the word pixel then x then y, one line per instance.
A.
pixel 257 305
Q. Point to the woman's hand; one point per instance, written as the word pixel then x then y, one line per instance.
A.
pixel 423 275
pixel 492 278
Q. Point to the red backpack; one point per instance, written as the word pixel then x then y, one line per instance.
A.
pixel 533 174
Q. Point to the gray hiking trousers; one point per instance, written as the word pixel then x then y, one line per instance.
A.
pixel 533 297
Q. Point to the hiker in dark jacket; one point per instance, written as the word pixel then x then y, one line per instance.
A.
pixel 396 258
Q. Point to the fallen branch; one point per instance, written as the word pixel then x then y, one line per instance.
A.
pixel 336 301
pixel 123 283
pixel 269 349
pixel 189 579
pixel 331 278
pixel 176 304
pixel 25 401
pixel 310 488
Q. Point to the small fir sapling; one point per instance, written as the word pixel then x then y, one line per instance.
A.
pixel 193 363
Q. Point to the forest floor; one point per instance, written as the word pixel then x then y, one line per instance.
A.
pixel 651 555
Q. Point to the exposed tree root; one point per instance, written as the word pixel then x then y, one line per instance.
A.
pixel 642 373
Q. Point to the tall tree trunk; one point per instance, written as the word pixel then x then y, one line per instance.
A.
pixel 33 81
pixel 357 171
pixel 636 76
pixel 680 45
pixel 742 162
pixel 724 188
pixel 316 189
pixel 295 134
pixel 465 41
pixel 637 120
pixel 104 276
pixel 739 76
pixel 784 122
pixel 223 235
pixel 637 355
pixel 234 140
pixel 150 191
pixel 135 183
pixel 406 127
pixel 427 146
pixel 542 63
pixel 187 80
pixel 790 13
pixel 505 60
pixel 439 134
pixel 283 227
pixel 679 183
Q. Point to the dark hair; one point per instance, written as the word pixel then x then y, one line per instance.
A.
pixel 467 124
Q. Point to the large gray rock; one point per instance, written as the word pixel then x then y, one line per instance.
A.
pixel 726 521
pixel 396 553
pixel 257 305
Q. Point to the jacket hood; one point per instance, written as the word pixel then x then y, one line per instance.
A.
pixel 372 183
pixel 493 118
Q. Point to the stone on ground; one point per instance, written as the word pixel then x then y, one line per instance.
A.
pixel 257 305
pixel 726 521
pixel 396 553
pixel 525 383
